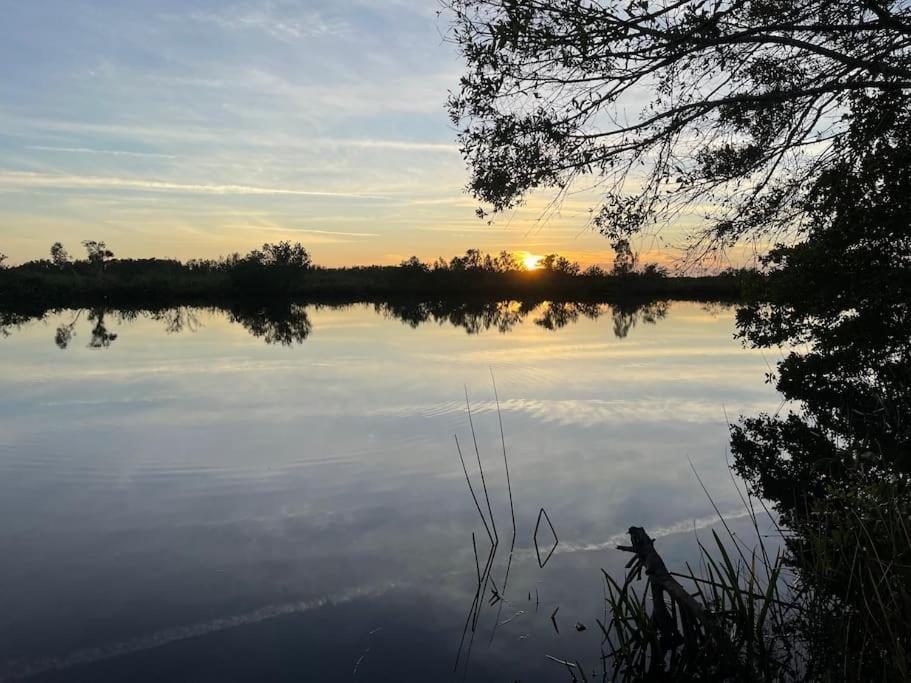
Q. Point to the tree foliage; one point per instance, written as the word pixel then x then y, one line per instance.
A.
pixel 59 256
pixel 842 301
pixel 96 252
pixel 733 104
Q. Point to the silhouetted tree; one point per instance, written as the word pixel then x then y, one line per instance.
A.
pixel 3 258
pixel 625 259
pixel 554 263
pixel 654 271
pixel 97 253
pixel 59 256
pixel 472 260
pixel 733 104
pixel 840 301
pixel 414 264
pixel 283 254
pixel 508 262
pixel 276 268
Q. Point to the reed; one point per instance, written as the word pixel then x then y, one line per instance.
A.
pixel 830 603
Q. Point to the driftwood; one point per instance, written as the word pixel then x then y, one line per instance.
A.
pixel 692 613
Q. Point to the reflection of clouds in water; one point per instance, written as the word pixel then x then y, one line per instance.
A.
pixel 333 460
pixel 18 670
pixel 603 350
pixel 580 412
pixel 622 538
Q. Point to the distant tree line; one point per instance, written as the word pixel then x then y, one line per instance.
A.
pixel 625 264
pixel 286 269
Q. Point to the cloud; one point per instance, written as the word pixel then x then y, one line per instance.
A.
pixel 112 152
pixel 286 27
pixel 406 145
pixel 28 179
pixel 204 134
pixel 316 236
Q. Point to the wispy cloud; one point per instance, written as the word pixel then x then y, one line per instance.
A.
pixel 202 134
pixel 110 152
pixel 28 179
pixel 388 144
pixel 331 234
pixel 287 26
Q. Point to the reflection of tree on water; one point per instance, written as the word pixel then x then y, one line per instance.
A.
pixel 627 317
pixel 65 332
pixel 177 319
pixel 853 389
pixel 10 320
pixel 504 316
pixel 473 317
pixel 101 337
pixel 837 465
pixel 558 314
pixel 283 324
pixel 289 323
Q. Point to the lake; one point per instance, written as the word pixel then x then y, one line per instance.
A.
pixel 200 494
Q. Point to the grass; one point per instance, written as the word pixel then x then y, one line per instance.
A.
pixel 832 604
pixel 827 599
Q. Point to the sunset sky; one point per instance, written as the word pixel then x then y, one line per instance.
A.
pixel 194 128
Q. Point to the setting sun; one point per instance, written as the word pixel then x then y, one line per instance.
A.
pixel 532 261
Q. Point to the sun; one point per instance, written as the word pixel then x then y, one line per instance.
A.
pixel 532 261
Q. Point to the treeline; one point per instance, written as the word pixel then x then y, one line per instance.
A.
pixel 286 270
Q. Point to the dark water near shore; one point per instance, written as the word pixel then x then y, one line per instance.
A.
pixel 181 500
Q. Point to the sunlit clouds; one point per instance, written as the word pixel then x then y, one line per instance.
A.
pixel 199 128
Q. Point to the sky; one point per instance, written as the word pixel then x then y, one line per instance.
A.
pixel 196 128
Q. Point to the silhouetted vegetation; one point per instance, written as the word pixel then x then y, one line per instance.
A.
pixel 286 270
pixel 835 460
pixel 746 105
pixel 793 120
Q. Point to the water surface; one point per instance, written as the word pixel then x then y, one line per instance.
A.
pixel 207 495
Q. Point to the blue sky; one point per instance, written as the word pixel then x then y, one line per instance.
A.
pixel 198 128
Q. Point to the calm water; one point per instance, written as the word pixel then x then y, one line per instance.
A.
pixel 190 502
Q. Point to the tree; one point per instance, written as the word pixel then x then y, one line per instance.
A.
pixel 59 256
pixel 472 260
pixel 508 262
pixel 735 105
pixel 283 254
pixel 625 259
pixel 414 264
pixel 3 258
pixel 97 253
pixel 849 368
pixel 654 271
pixel 276 268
